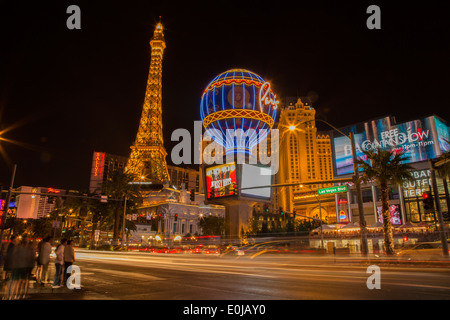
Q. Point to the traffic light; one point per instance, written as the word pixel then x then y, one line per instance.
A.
pixel 281 211
pixel 176 216
pixel 427 200
pixel 295 213
pixel 192 195
pixel 266 208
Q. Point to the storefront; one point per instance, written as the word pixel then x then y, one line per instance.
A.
pixel 413 192
pixel 405 202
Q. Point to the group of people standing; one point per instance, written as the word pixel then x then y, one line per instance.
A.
pixel 21 257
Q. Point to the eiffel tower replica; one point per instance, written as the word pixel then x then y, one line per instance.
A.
pixel 148 156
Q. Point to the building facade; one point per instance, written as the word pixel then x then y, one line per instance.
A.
pixel 305 157
pixel 189 178
pixel 35 202
pixel 171 212
pixel 103 165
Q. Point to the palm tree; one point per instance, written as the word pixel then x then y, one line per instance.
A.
pixel 82 209
pixel 385 167
pixel 117 186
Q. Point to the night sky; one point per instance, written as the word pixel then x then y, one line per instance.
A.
pixel 65 93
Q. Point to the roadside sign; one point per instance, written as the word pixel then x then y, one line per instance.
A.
pixel 331 190
pixel 97 235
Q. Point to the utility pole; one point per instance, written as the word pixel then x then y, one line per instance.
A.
pixel 439 210
pixel 362 219
pixel 123 221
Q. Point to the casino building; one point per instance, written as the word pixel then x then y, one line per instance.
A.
pixel 166 213
pixel 422 139
pixel 305 156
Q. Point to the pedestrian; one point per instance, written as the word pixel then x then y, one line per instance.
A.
pixel 69 258
pixel 30 262
pixel 19 266
pixel 59 263
pixel 8 266
pixel 38 262
pixel 43 260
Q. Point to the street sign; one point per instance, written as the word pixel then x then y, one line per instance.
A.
pixel 331 190
pixel 97 235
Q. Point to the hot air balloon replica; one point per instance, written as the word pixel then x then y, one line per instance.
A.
pixel 240 108
pixel 239 100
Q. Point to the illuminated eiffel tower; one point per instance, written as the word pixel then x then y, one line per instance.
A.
pixel 148 155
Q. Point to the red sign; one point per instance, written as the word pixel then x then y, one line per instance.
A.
pixel 99 163
pixel 221 180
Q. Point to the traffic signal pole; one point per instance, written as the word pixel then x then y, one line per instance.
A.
pixel 439 210
pixel 362 219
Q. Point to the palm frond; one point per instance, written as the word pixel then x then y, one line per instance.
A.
pixel 385 165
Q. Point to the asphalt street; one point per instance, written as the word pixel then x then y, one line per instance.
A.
pixel 150 276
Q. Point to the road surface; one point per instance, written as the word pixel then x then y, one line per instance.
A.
pixel 150 276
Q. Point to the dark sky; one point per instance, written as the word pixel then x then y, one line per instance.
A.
pixel 65 93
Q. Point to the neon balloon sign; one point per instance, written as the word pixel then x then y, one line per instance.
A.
pixel 265 99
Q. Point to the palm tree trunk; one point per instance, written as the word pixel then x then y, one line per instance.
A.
pixel 94 227
pixel 387 227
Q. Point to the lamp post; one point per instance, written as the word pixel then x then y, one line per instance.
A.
pixel 123 220
pixel 362 219
pixel 320 217
pixel 439 210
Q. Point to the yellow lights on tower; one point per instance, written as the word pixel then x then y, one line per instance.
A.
pixel 148 155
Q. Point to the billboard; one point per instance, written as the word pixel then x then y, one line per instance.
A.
pixel 256 176
pixel 221 180
pixel 396 218
pixel 421 140
pixel 97 170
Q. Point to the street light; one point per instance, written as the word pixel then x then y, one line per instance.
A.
pixel 320 216
pixel 362 219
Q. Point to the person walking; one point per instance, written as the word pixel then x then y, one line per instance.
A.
pixel 19 265
pixel 45 250
pixel 69 258
pixel 59 263
pixel 30 262
pixel 8 260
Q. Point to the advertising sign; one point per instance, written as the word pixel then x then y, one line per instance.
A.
pixel 256 176
pixel 421 182
pixel 421 140
pixel 221 180
pixel 343 217
pixel 396 218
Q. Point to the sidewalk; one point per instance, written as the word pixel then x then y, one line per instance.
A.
pixel 47 292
